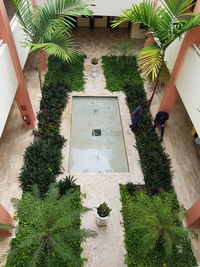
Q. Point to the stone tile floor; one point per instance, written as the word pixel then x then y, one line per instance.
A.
pixel 178 141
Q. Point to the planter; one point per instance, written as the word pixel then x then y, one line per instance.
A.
pixel 101 221
pixel 94 72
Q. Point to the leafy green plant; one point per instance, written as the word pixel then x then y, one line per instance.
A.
pixel 155 163
pixel 145 221
pixel 67 183
pixel 48 233
pixel 69 74
pixel 49 27
pixel 94 61
pixel 131 188
pixel 166 23
pixel 42 164
pixel 122 46
pixel 103 210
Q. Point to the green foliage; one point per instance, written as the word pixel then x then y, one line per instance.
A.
pixel 131 188
pixel 154 161
pixel 94 61
pixel 49 232
pixel 122 46
pixel 67 183
pixel 70 74
pixel 42 164
pixel 103 210
pixel 167 22
pixel 140 216
pixel 50 27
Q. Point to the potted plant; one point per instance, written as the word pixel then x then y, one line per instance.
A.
pixel 94 61
pixel 102 214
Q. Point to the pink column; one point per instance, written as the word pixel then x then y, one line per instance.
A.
pixel 171 93
pixel 5 218
pixel 42 60
pixel 193 215
pixel 42 54
pixel 22 97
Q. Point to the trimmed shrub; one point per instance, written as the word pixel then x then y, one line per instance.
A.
pixel 133 238
pixel 70 74
pixel 154 161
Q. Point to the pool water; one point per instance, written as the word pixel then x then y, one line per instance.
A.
pixel 97 141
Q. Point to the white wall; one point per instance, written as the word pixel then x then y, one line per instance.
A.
pixel 8 82
pixel 106 7
pixel 19 37
pixel 111 7
pixel 188 85
pixel 172 53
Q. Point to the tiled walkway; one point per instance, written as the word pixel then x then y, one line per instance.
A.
pixel 107 249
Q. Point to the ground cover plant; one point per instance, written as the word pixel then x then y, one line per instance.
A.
pixel 155 164
pixel 140 232
pixel 33 245
pixel 154 161
pixel 70 74
pixel 49 232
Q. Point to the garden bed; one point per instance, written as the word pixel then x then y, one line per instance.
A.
pixel 154 161
pixel 42 165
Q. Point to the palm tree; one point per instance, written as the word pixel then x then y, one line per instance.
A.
pixel 165 24
pixel 49 228
pixel 158 220
pixel 49 27
pixel 122 46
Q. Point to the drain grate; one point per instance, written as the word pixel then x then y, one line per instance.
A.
pixel 96 132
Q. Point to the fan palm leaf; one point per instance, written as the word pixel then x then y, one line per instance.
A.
pixel 49 227
pixel 150 60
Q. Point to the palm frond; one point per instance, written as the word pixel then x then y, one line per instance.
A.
pixel 6 226
pixel 25 16
pixel 122 45
pixel 150 60
pixel 178 7
pixel 58 44
pixel 139 13
pixel 37 257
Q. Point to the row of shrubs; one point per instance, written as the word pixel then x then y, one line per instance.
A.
pixel 154 161
pixel 156 167
pixel 43 161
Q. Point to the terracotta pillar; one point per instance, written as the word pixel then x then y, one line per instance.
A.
pixel 22 97
pixel 171 93
pixel 42 60
pixel 42 54
pixel 193 215
pixel 5 218
pixel 150 40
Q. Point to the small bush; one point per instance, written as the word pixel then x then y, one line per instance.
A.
pixel 155 163
pixel 103 210
pixel 131 188
pixel 69 74
pixel 67 183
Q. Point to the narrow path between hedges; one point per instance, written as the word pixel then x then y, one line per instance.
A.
pixel 107 249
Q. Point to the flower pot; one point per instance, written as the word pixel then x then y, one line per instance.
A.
pixel 101 221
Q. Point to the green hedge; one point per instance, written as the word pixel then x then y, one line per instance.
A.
pixel 154 161
pixel 18 257
pixel 135 257
pixel 70 74
pixel 43 157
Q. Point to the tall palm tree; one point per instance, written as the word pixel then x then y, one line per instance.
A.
pixel 49 27
pixel 165 23
pixel 49 229
pixel 157 219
